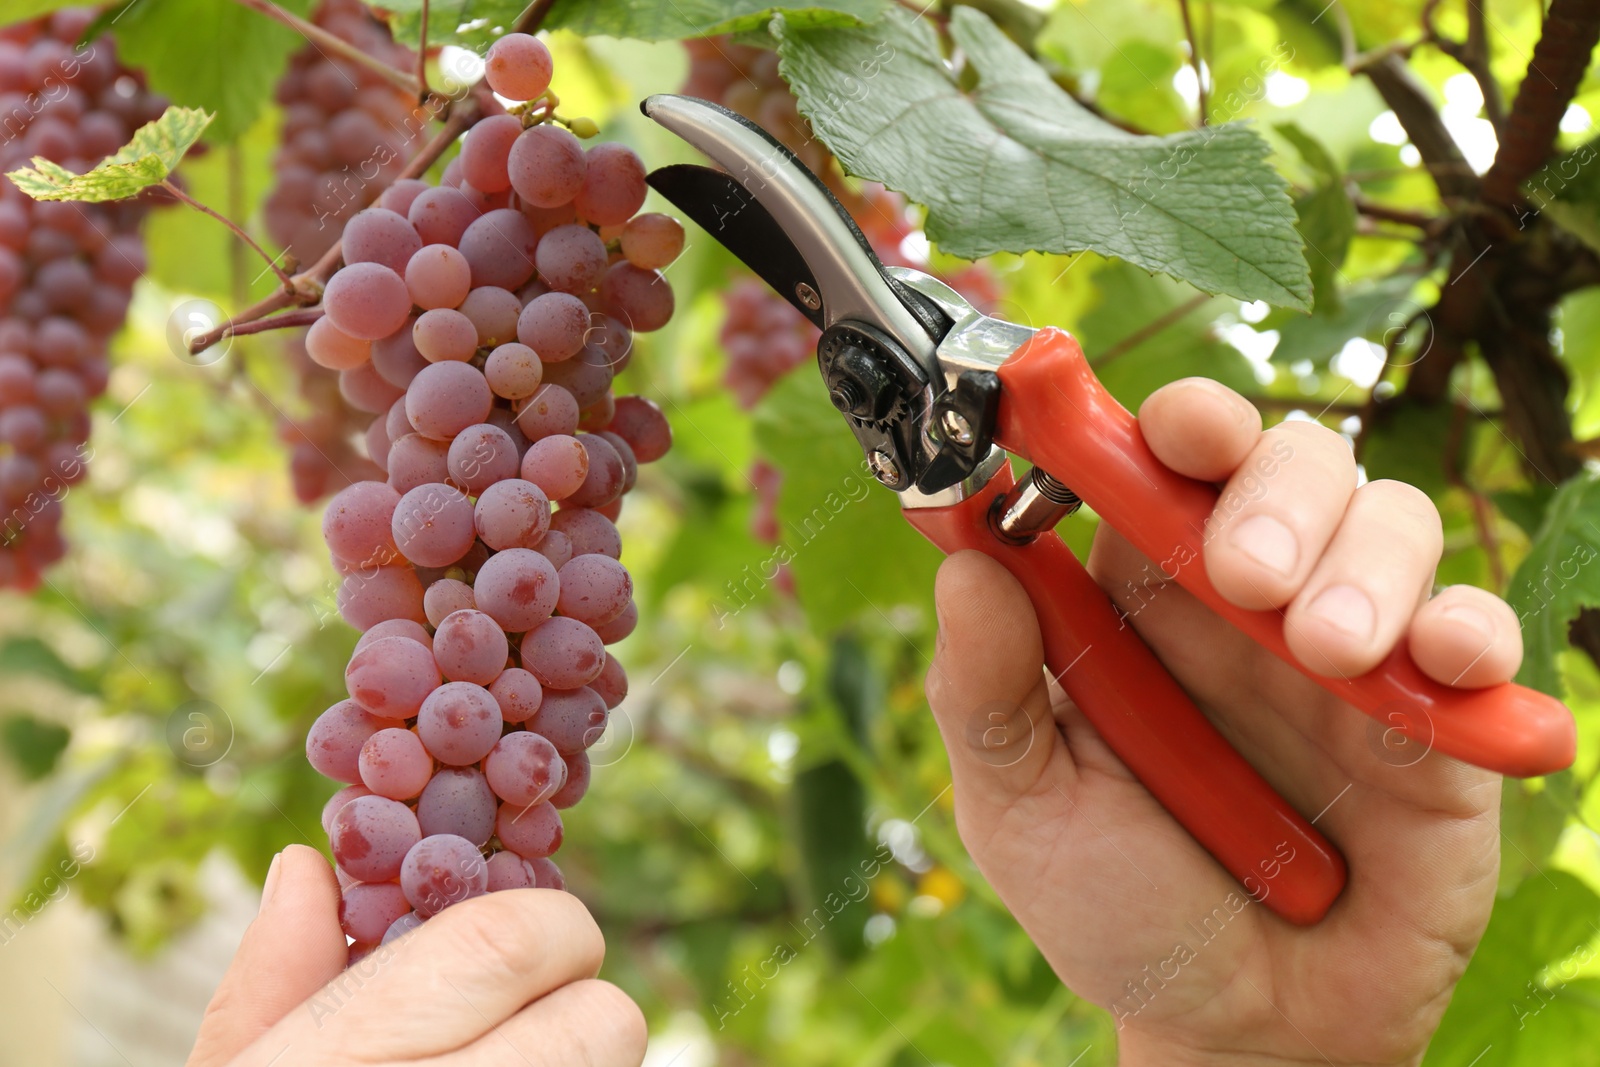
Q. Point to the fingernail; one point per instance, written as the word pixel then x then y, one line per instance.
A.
pixel 1268 542
pixel 271 882
pixel 1346 608
pixel 1473 619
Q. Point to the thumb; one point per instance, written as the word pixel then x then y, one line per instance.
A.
pixel 294 948
pixel 989 695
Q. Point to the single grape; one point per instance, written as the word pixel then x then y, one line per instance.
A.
pixel 517 588
pixel 652 241
pixel 441 215
pixel 397 360
pixel 392 677
pixel 442 870
pixel 546 874
pixel 396 628
pixel 554 325
pixel 333 744
pixel 513 371
pixel 444 334
pixel 500 247
pixel 530 832
pixel 549 412
pixel 432 525
pixel 378 235
pixel 611 684
pixel 507 870
pixel 493 312
pixel 483 155
pixel 446 398
pixel 562 653
pixel 512 513
pixel 367 301
pixel 438 276
pixel 364 389
pixel 480 456
pixel 401 926
pixel 578 775
pixel 587 376
pixel 339 800
pixel 556 547
pixel 417 460
pixel 470 647
pixel 458 801
pixel 443 599
pixel 374 595
pixel 640 423
pixel 401 195
pixel 557 464
pixel 618 628
pixel 594 590
pixel 368 909
pixel 394 764
pixel 356 523
pixel 518 693
pixel 613 185
pixel 605 477
pixel 371 836
pixel 518 66
pixel 330 347
pixel 546 166
pixel 570 258
pixel 573 719
pixel 524 768
pixel 459 723
pixel 640 298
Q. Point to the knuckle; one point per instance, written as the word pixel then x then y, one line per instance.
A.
pixel 621 1019
pixel 1404 504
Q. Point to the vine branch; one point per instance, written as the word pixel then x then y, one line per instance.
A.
pixel 1194 60
pixel 332 43
pixel 1149 330
pixel 532 16
pixel 238 231
pixel 1408 99
pixel 422 56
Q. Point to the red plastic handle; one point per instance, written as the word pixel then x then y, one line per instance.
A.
pixel 1055 412
pixel 1149 722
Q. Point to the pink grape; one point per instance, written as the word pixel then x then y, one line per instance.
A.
pixel 483 156
pixel 546 166
pixel 442 870
pixel 652 241
pixel 594 590
pixel 458 801
pixel 378 235
pixel 330 347
pixel 512 513
pixel 558 465
pixel 518 66
pixel 640 423
pixel 371 836
pixel 339 800
pixel 605 477
pixel 441 215
pixel 507 870
pixel 432 525
pixel 517 588
pixel 333 744
pixel 611 684
pixel 500 247
pixel 401 926
pixel 394 764
pixel 619 627
pixel 444 334
pixel 438 276
pixel 459 723
pixel 392 677
pixel 402 194
pixel 556 547
pixel 396 628
pixel 356 523
pixel 524 768
pixel 446 398
pixel 589 531
pixel 470 647
pixel 530 832
pixel 563 653
pixel 367 301
pixel 518 693
pixel 493 312
pixel 554 325
pixel 375 595
pixel 587 376
pixel 640 298
pixel 368 909
pixel 443 599
pixel 547 874
pixel 397 360
pixel 550 411
pixel 480 456
pixel 364 389
pixel 513 371
pixel 571 259
pixel 613 185
pixel 416 460
pixel 578 776
pixel 573 719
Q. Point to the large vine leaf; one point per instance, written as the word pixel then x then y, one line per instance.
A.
pixel 1559 577
pixel 1015 164
pixel 201 53
pixel 478 22
pixel 144 161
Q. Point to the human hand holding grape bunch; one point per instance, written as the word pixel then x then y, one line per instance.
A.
pixel 1128 909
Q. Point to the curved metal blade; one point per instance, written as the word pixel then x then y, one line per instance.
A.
pixel 799 219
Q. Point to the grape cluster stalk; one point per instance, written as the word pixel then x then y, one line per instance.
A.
pixel 66 272
pixel 346 134
pixel 481 321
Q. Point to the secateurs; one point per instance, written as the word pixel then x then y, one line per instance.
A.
pixel 937 394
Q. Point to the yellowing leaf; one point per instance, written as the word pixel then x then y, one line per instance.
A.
pixel 154 153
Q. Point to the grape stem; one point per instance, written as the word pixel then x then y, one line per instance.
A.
pixel 238 230
pixel 305 288
pixel 331 43
pixel 422 56
pixel 300 317
pixel 532 16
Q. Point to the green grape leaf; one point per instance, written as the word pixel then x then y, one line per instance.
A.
pixel 199 53
pixel 1372 311
pixel 1559 577
pixel 146 160
pixel 479 22
pixel 34 745
pixel 1325 217
pixel 1524 998
pixel 1015 164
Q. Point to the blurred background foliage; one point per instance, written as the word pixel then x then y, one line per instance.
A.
pixel 777 736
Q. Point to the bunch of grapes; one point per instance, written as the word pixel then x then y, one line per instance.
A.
pixel 346 135
pixel 763 335
pixel 483 321
pixel 66 271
